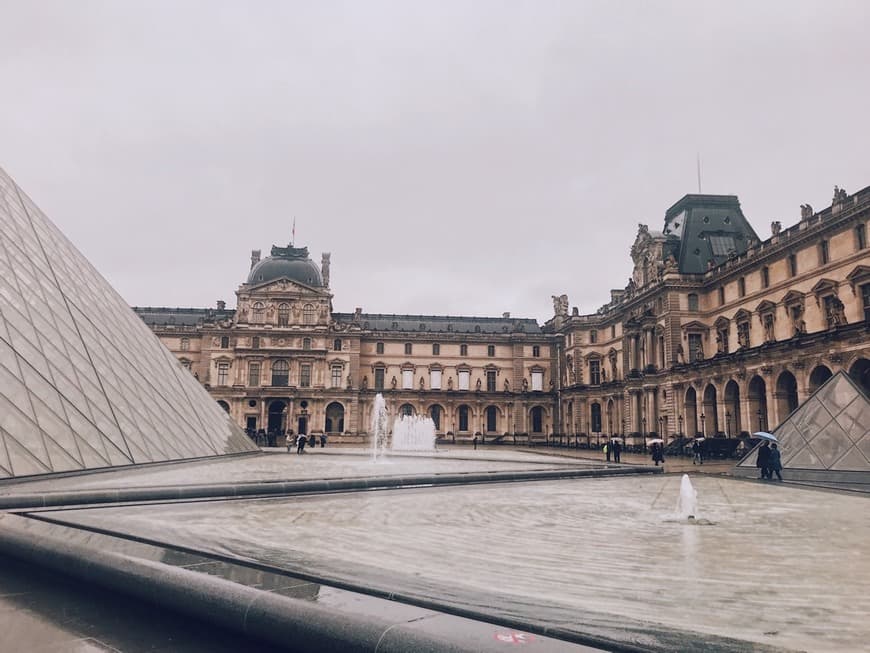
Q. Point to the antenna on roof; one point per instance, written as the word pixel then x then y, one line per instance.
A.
pixel 293 234
pixel 699 172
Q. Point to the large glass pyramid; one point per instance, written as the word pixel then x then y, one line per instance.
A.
pixel 829 432
pixel 84 383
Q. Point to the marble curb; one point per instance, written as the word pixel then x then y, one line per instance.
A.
pixel 287 622
pixel 275 488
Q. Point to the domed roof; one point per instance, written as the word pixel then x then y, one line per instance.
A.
pixel 287 263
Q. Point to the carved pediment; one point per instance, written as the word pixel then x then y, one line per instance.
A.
pixel 722 323
pixel 765 307
pixel 287 287
pixel 860 274
pixel 793 297
pixel 824 286
pixel 742 315
pixel 694 325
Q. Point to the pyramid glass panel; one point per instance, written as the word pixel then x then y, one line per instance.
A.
pixel 84 383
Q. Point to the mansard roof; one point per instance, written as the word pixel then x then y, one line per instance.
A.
pixel 710 229
pixel 439 323
pixel 159 316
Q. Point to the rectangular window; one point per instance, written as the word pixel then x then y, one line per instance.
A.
pixel 225 342
pixel 721 295
pixel 490 380
pixel 464 378
pixel 463 350
pixel 865 297
pixel 379 348
pixel 223 373
pixel 593 336
pixel 792 265
pixel 253 374
pixel 861 236
pixel 696 348
pixel 336 344
pixel 741 287
pixel 537 381
pixel 693 302
pixel 379 378
pixel 765 277
pixel 255 342
pixel 490 350
pixel 613 331
pixel 408 348
pixel 722 245
pixel 435 379
pixel 407 379
pixel 824 254
pixel 336 376
pixel 185 344
pixel 305 376
pixel 536 351
pixel 436 349
pixel 595 372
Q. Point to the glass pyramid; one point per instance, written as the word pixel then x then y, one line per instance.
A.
pixel 830 431
pixel 84 383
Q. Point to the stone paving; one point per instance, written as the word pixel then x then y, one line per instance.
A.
pixel 771 565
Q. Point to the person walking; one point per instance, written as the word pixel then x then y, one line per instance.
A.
pixel 774 463
pixel 607 451
pixel 697 453
pixel 322 440
pixel 658 454
pixel 763 460
pixel 617 451
pixel 300 443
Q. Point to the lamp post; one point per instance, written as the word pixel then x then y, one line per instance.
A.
pixel 703 428
pixel 760 420
pixel 680 422
pixel 662 429
pixel 727 423
pixel 643 431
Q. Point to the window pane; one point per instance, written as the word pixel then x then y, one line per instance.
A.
pixel 435 379
pixel 254 374
pixel 407 379
pixel 463 380
pixel 537 380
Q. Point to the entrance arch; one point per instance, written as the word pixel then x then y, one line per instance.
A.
pixel 275 422
pixel 223 405
pixel 758 403
pixel 436 412
pixel 818 376
pixel 786 395
pixel 733 425
pixel 860 373
pixel 407 409
pixel 709 414
pixel 334 418
pixel 491 419
pixel 536 416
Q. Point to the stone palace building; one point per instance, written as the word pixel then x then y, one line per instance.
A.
pixel 717 333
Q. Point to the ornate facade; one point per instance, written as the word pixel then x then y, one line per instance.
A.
pixel 717 333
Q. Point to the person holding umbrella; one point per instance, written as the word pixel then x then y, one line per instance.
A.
pixel 763 460
pixel 775 463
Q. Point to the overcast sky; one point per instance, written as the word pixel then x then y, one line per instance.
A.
pixel 461 158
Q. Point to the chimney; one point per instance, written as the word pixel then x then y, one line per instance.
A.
pixel 221 304
pixel 255 257
pixel 506 315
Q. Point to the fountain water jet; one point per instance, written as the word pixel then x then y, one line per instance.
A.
pixel 379 427
pixel 687 503
pixel 413 433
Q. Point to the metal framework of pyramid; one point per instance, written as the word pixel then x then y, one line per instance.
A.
pixel 826 438
pixel 84 384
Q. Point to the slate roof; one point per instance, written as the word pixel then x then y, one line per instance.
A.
pixel 439 323
pixel 161 316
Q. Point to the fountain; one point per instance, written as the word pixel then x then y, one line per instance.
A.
pixel 687 503
pixel 379 427
pixel 413 433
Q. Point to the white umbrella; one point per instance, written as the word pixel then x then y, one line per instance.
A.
pixel 764 435
pixel 700 438
pixel 655 441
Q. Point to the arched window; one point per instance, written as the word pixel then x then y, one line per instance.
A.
pixel 258 313
pixel 491 419
pixel 595 418
pixel 463 418
pixel 308 314
pixel 407 409
pixel 280 373
pixel 537 415
pixel 284 314
pixel 435 413
pixel 224 405
pixel 334 418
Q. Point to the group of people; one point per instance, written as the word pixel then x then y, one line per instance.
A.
pixel 657 451
pixel 302 440
pixel 769 461
pixel 613 449
pixel 697 453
